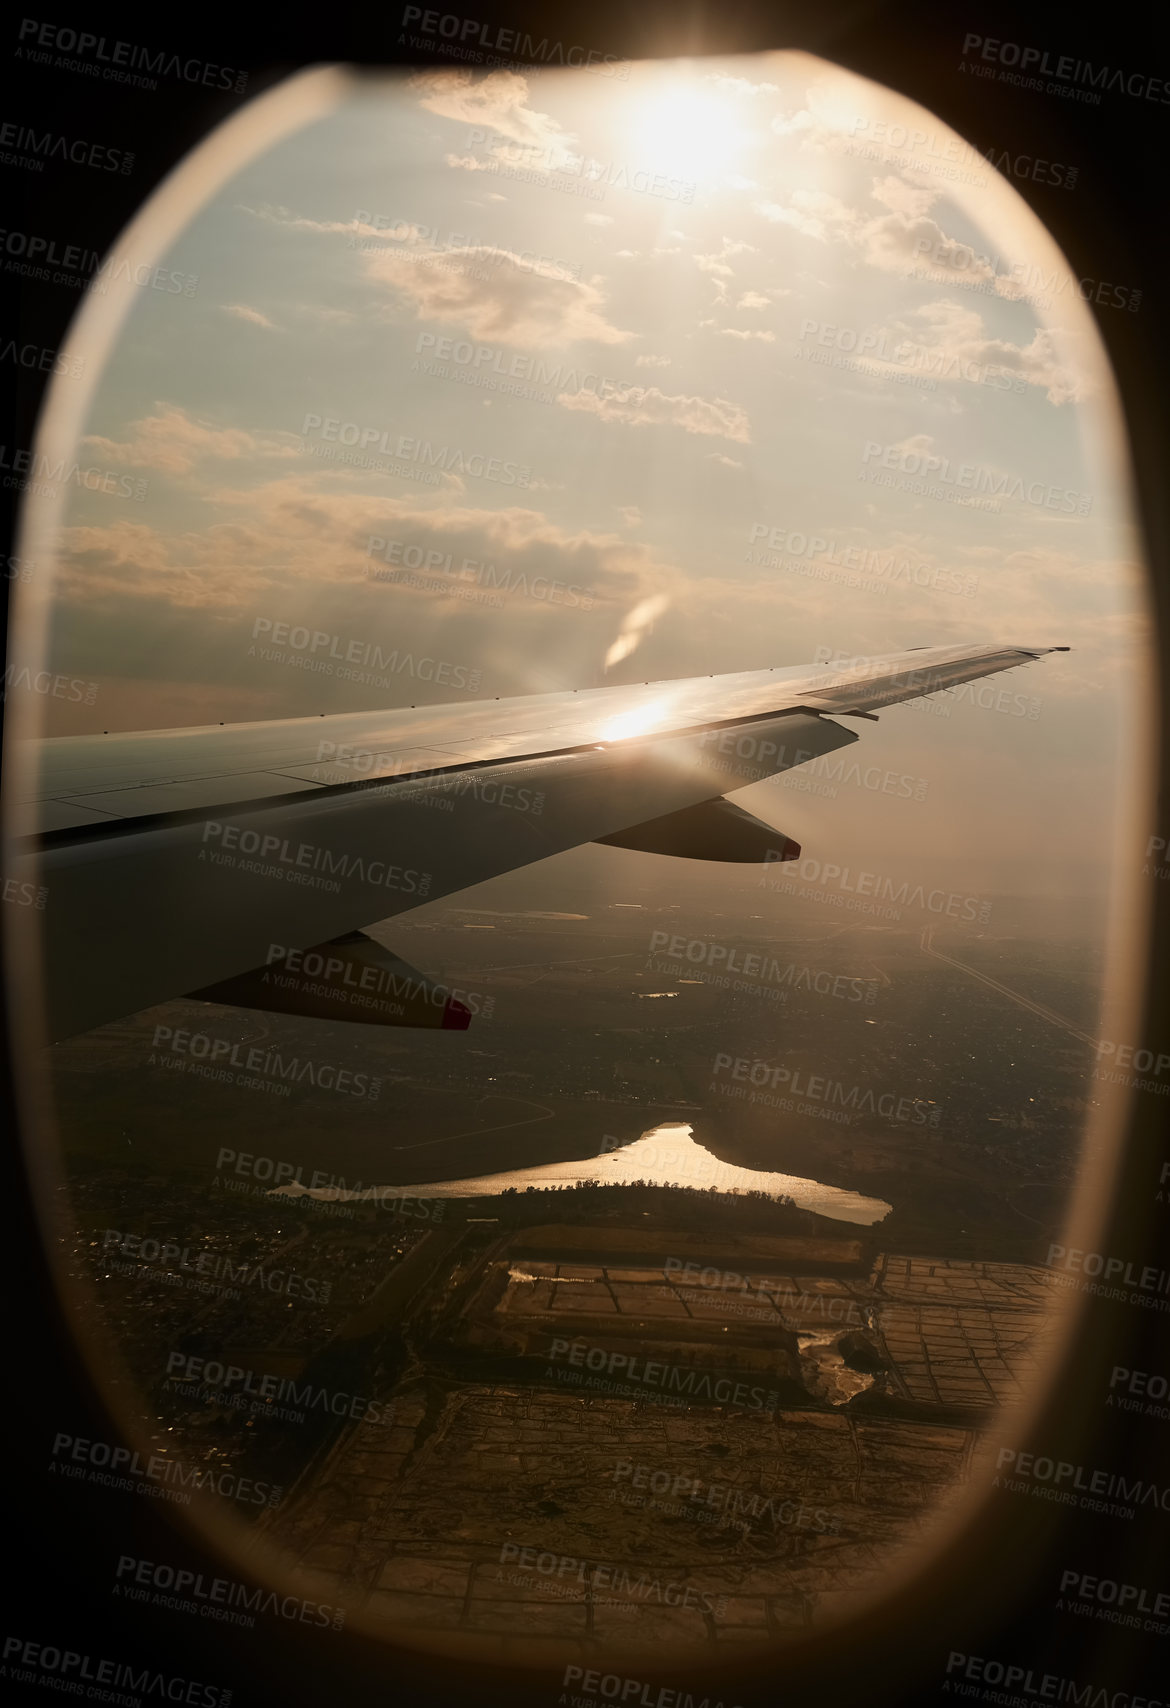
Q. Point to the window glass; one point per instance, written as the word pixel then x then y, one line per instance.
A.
pixel 663 1304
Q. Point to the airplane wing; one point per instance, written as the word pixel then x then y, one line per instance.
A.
pixel 239 863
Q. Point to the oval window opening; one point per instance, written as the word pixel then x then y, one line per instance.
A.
pixel 582 695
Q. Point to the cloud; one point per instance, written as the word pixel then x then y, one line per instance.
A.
pixel 820 122
pixel 715 265
pixel 469 163
pixel 896 243
pixel 598 219
pixel 724 462
pixel 271 213
pixel 652 361
pixel 948 342
pixel 795 123
pixel 814 213
pixel 825 126
pixel 497 295
pixel 497 101
pixel 630 515
pixel 154 611
pixel 295 543
pixel 901 196
pixel 752 299
pixel 330 315
pixel 958 335
pixel 253 315
pixel 741 85
pixel 736 332
pixel 903 241
pixel 173 442
pixel 637 406
pixel 373 237
pixel 918 247
pixel 918 444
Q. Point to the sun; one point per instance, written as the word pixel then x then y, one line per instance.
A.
pixel 689 129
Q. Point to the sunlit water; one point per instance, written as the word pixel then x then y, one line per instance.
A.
pixel 667 1155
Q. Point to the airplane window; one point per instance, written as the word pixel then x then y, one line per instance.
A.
pixel 574 731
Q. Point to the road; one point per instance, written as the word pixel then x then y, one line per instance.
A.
pixel 1026 1002
pixel 387 1305
pixel 546 1114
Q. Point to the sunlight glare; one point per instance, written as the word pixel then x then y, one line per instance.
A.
pixel 690 129
pixel 639 720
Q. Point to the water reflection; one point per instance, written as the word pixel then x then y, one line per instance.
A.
pixel 667 1155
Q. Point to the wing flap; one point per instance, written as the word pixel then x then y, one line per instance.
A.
pixel 353 978
pixel 713 830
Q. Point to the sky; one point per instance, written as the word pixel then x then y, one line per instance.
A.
pixel 669 348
